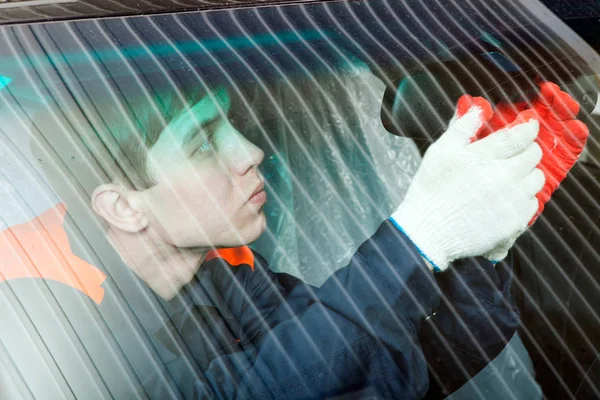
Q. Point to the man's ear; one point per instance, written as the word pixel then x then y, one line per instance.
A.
pixel 110 201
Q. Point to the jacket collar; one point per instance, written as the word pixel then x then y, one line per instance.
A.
pixel 200 292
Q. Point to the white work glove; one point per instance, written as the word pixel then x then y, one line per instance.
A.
pixel 467 198
pixel 499 253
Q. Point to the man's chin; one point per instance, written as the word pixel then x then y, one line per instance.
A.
pixel 260 228
pixel 247 234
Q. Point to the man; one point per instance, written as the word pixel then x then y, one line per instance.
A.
pixel 174 180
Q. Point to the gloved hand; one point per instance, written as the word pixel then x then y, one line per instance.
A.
pixel 469 197
pixel 562 139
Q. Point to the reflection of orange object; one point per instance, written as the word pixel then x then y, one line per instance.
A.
pixel 235 256
pixel 40 249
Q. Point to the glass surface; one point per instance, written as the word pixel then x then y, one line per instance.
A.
pixel 180 117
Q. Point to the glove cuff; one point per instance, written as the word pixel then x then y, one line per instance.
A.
pixel 422 232
pixel 436 268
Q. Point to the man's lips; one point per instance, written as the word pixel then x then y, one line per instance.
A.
pixel 259 195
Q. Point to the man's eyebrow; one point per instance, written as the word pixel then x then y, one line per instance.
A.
pixel 198 129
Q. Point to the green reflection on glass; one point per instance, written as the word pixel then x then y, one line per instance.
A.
pixel 4 81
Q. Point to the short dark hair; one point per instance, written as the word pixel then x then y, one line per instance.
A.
pixel 106 140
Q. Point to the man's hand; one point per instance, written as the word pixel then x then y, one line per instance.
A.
pixel 562 138
pixel 467 197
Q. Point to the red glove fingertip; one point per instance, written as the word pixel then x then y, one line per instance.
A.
pixel 465 102
pixel 543 102
pixel 547 92
pixel 576 134
pixel 564 107
pixel 487 112
pixel 463 105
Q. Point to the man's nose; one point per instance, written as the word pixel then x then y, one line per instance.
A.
pixel 245 155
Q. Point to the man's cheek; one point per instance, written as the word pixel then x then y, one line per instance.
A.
pixel 216 187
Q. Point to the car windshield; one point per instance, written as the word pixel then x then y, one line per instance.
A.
pixel 331 106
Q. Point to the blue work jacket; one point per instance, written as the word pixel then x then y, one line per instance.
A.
pixel 268 335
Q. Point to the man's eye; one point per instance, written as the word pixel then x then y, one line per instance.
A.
pixel 207 144
pixel 207 135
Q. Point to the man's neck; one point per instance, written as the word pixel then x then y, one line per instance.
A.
pixel 162 266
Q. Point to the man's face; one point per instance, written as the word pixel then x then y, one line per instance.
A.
pixel 209 191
